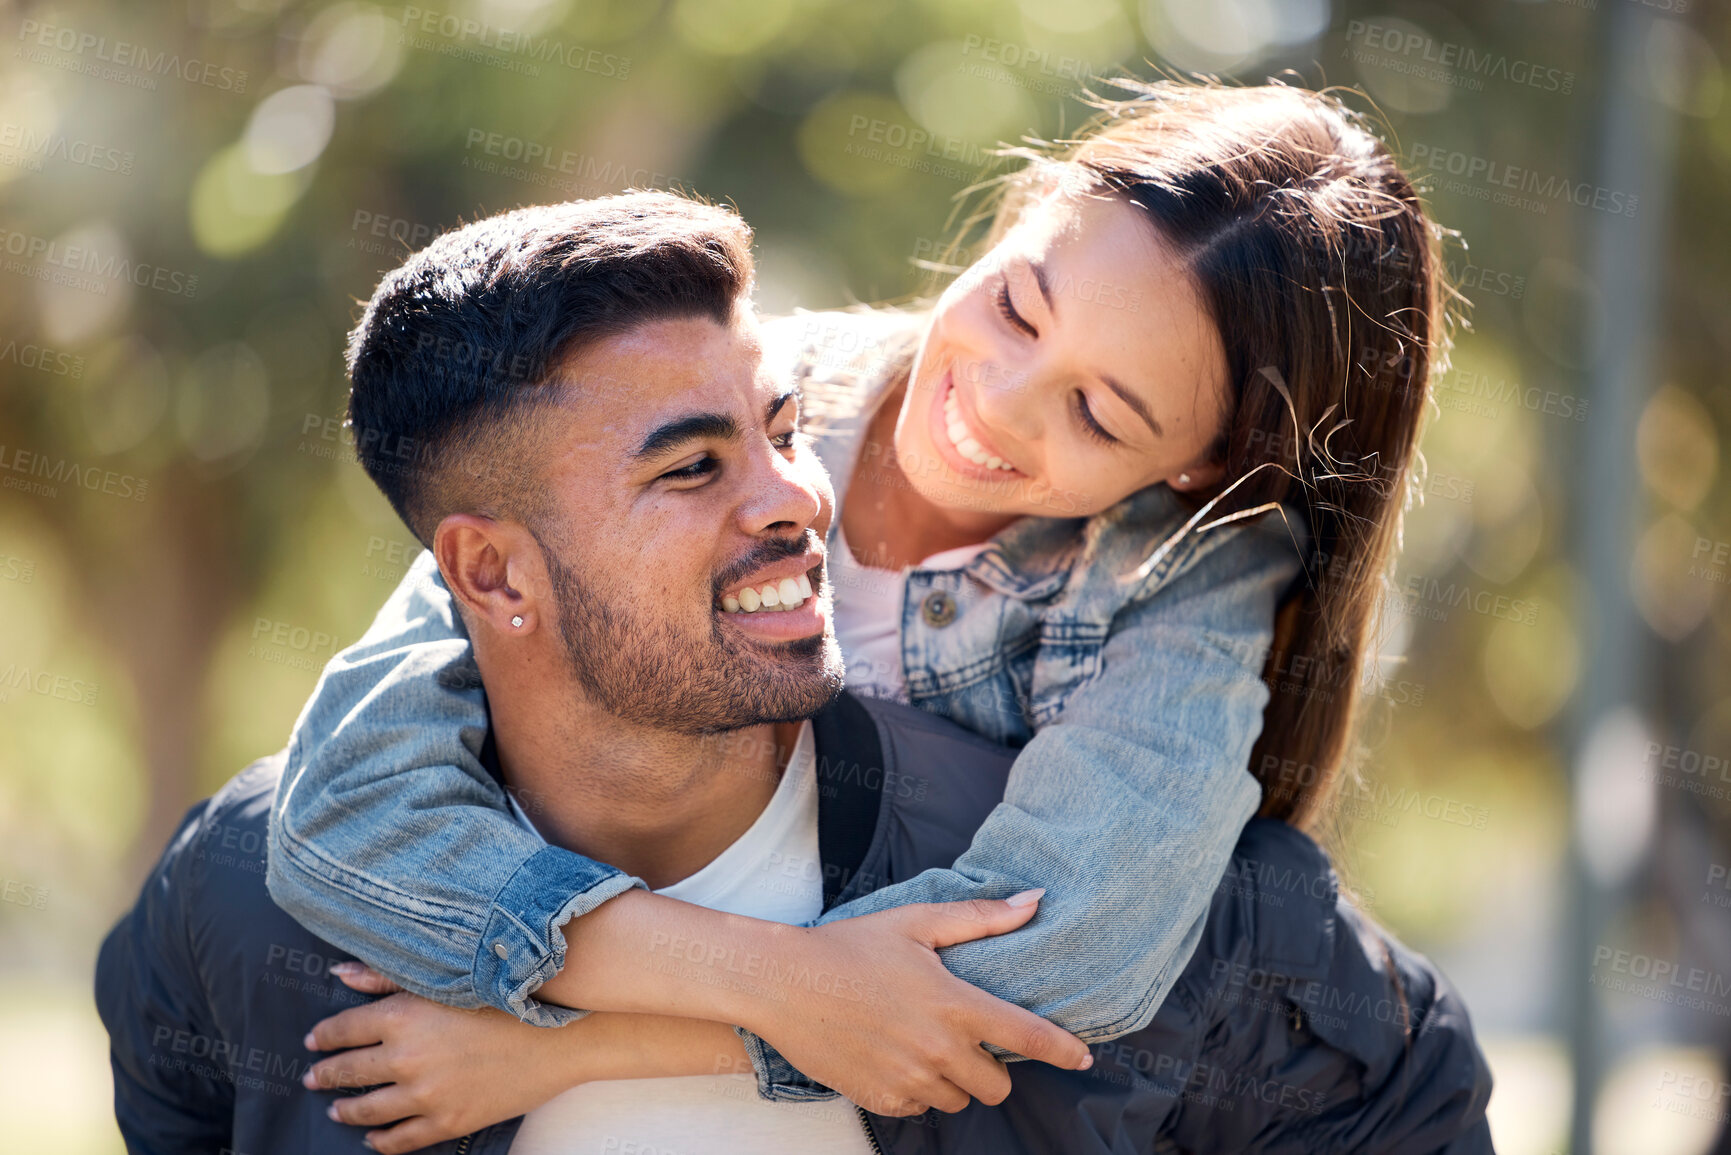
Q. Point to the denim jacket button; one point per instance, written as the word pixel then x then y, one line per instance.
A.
pixel 939 609
pixel 499 949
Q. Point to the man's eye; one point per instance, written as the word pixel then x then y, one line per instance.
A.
pixel 702 467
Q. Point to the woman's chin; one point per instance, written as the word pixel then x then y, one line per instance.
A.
pixel 948 490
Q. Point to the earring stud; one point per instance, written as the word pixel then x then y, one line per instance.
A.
pixel 1183 479
pixel 517 620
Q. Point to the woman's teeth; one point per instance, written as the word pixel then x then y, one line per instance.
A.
pixel 786 594
pixel 964 441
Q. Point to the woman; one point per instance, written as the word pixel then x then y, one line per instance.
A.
pixel 1152 447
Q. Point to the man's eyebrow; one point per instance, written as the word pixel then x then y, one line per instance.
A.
pixel 665 438
pixel 775 405
pixel 1134 402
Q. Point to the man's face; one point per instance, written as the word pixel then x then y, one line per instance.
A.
pixel 678 483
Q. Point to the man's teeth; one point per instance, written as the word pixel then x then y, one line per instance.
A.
pixel 786 594
pixel 964 441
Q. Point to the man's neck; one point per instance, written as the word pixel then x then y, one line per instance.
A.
pixel 656 804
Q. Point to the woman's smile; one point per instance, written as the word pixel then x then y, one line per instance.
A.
pixel 964 446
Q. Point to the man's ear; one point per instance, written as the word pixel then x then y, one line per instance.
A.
pixel 496 570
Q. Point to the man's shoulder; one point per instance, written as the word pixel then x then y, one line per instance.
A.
pixel 214 865
pixel 236 819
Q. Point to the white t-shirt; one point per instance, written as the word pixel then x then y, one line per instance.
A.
pixel 868 616
pixel 772 871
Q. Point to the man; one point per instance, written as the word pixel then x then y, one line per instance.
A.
pixel 592 493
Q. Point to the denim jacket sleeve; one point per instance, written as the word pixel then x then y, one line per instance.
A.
pixel 389 839
pixel 1125 808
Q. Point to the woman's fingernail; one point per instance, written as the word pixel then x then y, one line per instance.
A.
pixel 309 1042
pixel 1087 1061
pixel 346 968
pixel 1026 898
pixel 309 1080
pixel 331 1112
pixel 367 1142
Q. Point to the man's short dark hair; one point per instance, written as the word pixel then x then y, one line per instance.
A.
pixel 461 346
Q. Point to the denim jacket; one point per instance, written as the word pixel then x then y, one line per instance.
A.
pixel 1121 652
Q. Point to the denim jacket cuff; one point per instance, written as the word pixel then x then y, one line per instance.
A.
pixel 778 1079
pixel 522 945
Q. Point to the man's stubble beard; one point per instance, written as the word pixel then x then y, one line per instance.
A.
pixel 633 664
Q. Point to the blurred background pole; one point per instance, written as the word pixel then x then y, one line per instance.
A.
pixel 1635 155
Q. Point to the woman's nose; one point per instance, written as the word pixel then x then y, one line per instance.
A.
pixel 1003 397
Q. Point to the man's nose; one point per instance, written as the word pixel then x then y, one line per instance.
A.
pixel 786 496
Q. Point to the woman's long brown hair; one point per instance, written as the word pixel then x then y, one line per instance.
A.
pixel 1321 269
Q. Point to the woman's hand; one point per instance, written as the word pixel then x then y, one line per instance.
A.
pixel 875 1015
pixel 450 1071
pixel 863 1005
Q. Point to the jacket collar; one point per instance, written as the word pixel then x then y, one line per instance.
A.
pixel 850 777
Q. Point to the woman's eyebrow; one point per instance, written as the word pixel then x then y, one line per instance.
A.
pixel 1134 402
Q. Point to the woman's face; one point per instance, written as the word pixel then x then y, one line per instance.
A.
pixel 1073 365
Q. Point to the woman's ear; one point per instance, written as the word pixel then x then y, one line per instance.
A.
pixel 1203 476
pixel 495 570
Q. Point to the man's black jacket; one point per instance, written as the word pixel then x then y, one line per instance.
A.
pixel 1297 1026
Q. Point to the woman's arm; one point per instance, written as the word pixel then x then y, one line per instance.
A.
pixel 390 840
pixel 365 835
pixel 441 1072
pixel 1125 808
pixel 450 1072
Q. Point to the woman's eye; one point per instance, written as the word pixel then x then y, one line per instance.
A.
pixel 786 440
pixel 1090 424
pixel 1008 308
pixel 702 467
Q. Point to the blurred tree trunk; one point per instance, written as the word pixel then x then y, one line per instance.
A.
pixel 161 612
